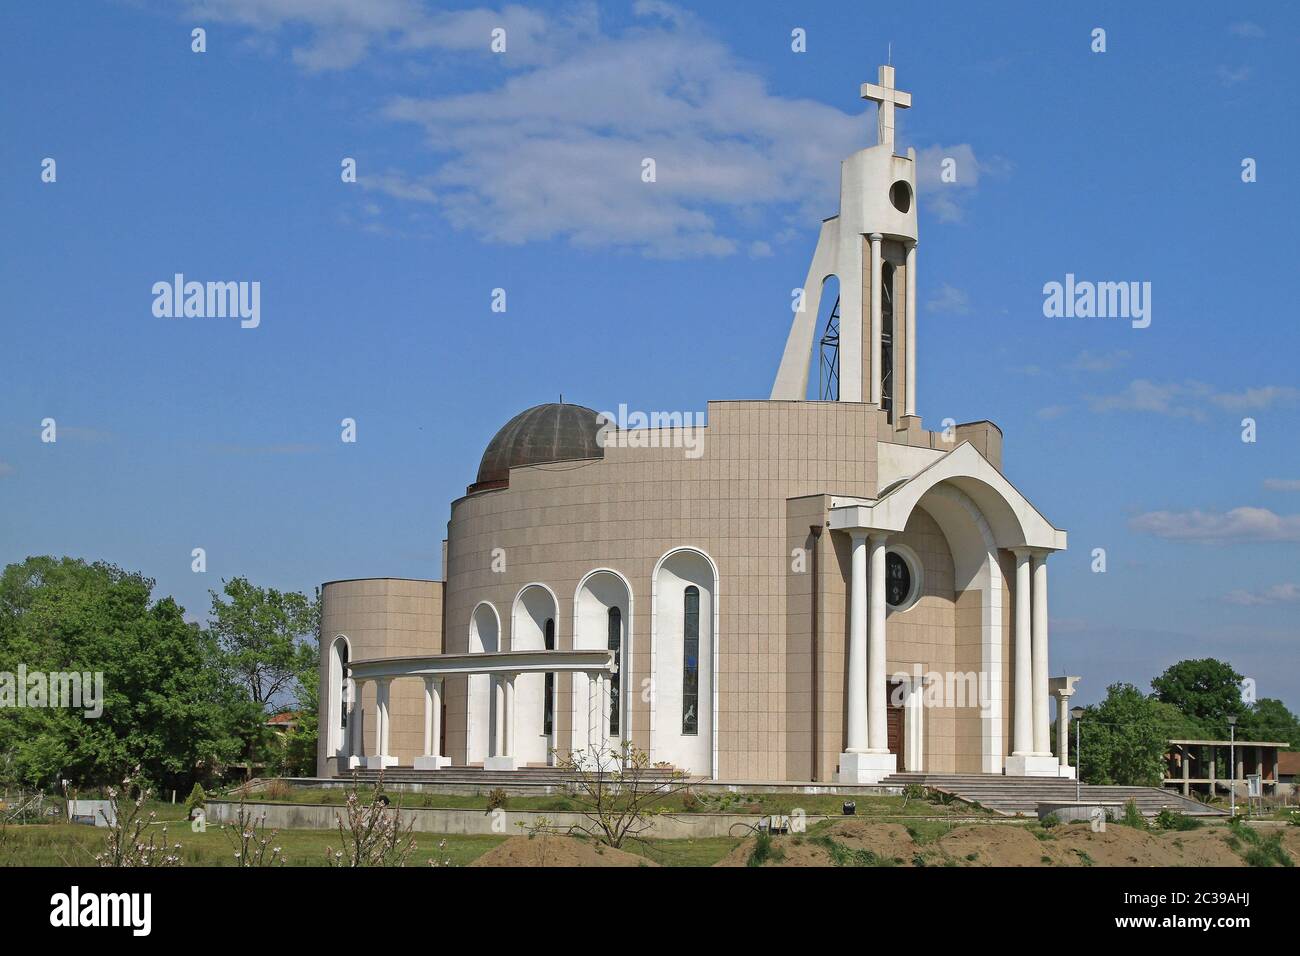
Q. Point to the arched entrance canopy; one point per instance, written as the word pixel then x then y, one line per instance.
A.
pixel 1015 522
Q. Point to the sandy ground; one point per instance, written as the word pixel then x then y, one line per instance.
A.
pixel 1010 845
pixel 555 850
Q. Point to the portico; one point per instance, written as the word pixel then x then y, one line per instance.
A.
pixel 503 669
pixel 981 514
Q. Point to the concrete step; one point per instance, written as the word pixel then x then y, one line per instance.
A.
pixel 1016 795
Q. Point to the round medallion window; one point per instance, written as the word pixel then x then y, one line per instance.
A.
pixel 900 194
pixel 902 579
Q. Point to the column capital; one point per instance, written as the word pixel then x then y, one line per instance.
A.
pixel 875 237
pixel 911 243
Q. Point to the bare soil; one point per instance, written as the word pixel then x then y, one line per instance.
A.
pixel 1005 845
pixel 557 850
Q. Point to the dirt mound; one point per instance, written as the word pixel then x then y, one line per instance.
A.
pixel 1207 846
pixel 555 850
pixel 845 843
pixel 1118 846
pixel 993 844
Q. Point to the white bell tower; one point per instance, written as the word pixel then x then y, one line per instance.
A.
pixel 870 246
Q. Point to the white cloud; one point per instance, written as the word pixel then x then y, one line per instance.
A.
pixel 1191 399
pixel 1282 484
pixel 1230 77
pixel 1277 594
pixel 337 34
pixel 1247 29
pixel 400 186
pixel 946 200
pixel 1239 524
pixel 949 299
pixel 1087 361
pixel 554 148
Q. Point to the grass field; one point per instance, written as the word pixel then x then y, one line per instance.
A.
pixel 813 804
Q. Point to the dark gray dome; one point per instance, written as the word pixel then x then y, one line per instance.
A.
pixel 541 434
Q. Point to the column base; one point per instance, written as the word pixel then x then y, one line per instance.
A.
pixel 380 761
pixel 499 763
pixel 432 762
pixel 1033 765
pixel 1067 772
pixel 351 763
pixel 866 767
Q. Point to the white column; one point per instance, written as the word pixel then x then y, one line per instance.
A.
pixel 593 707
pixel 909 407
pixel 1022 740
pixel 379 722
pixel 856 705
pixel 432 758
pixel 1042 739
pixel 385 687
pixel 498 714
pixel 877 692
pixel 354 723
pixel 876 322
pixel 1063 728
pixel 437 717
pixel 508 730
pixel 914 726
pixel 381 758
pixel 428 717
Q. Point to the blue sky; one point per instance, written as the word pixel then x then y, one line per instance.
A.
pixel 521 171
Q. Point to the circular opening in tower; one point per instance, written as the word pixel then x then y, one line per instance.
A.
pixel 900 194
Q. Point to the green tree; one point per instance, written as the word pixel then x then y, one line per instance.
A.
pixel 269 639
pixel 1125 737
pixel 1269 719
pixel 166 706
pixel 1206 691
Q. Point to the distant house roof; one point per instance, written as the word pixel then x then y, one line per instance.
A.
pixel 287 719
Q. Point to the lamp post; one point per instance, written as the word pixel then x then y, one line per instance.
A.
pixel 1077 714
pixel 1232 766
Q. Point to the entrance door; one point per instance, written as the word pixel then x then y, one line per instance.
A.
pixel 894 727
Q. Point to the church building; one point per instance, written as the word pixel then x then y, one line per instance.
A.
pixel 803 589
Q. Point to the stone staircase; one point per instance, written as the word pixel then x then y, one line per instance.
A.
pixel 1012 796
pixel 473 780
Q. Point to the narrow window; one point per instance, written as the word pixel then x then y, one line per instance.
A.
pixel 343 686
pixel 887 339
pixel 548 694
pixel 615 645
pixel 691 662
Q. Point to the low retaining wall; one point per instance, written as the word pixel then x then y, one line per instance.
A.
pixel 303 816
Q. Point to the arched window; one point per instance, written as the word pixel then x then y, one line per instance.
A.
pixel 548 693
pixel 691 661
pixel 887 339
pixel 615 645
pixel 343 687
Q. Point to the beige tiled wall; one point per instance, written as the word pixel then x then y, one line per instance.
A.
pixel 766 474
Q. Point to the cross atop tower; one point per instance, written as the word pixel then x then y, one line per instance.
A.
pixel 888 97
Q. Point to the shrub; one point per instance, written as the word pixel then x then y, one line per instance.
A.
pixel 496 799
pixel 1049 821
pixel 278 789
pixel 1132 817
pixel 1168 819
pixel 197 799
pixel 764 850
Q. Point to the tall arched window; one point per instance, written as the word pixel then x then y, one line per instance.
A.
pixel 691 661
pixel 548 693
pixel 343 687
pixel 615 645
pixel 887 339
